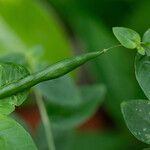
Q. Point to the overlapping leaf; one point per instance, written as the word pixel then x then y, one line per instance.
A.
pixel 62 91
pixel 13 136
pixel 67 108
pixel 10 73
pixel 142 67
pixel 146 40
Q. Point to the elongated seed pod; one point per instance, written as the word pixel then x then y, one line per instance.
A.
pixel 54 71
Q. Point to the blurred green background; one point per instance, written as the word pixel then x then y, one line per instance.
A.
pixel 46 31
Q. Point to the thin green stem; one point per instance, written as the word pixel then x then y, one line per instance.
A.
pixel 45 120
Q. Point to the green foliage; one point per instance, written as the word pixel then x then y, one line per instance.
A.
pixel 27 29
pixel 68 115
pixel 54 71
pixel 129 38
pixel 136 113
pixel 93 33
pixel 146 39
pixel 62 91
pixel 13 136
pixel 86 19
pixel 137 116
pixel 15 82
pixel 142 67
pixel 142 72
pixel 10 73
pixel 24 44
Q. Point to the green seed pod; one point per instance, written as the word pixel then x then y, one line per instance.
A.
pixel 54 71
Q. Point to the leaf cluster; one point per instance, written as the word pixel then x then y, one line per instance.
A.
pixel 137 113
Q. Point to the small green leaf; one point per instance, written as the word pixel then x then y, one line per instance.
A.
pixel 142 72
pixel 146 41
pixel 127 37
pixel 137 116
pixel 146 149
pixel 10 73
pixel 13 136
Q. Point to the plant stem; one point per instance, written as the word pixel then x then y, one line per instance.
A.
pixel 45 120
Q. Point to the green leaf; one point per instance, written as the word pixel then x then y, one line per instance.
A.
pixel 67 117
pixel 10 73
pixel 13 136
pixel 137 116
pixel 61 91
pixel 127 37
pixel 146 41
pixel 142 72
pixel 146 149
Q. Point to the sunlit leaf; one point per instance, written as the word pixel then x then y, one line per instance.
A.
pixel 127 37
